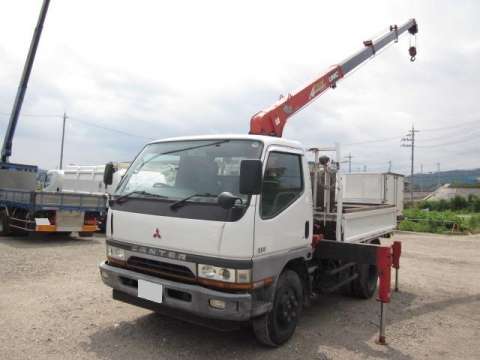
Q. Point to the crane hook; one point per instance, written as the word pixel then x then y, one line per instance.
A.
pixel 413 52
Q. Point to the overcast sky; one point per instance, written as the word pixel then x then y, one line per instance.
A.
pixel 155 69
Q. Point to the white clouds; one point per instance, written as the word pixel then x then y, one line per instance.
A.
pixel 187 67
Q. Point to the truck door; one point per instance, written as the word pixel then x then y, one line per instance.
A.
pixel 283 218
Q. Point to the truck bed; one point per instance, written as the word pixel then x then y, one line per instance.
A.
pixel 361 222
pixel 40 200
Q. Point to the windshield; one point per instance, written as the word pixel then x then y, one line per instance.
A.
pixel 178 169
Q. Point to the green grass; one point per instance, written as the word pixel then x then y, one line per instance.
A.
pixel 458 204
pixel 440 222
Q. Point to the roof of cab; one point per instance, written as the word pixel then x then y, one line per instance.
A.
pixel 267 140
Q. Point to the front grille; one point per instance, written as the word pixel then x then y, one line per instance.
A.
pixel 154 267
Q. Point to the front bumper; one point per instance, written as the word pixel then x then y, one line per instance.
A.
pixel 189 298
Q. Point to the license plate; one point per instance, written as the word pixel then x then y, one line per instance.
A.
pixel 150 291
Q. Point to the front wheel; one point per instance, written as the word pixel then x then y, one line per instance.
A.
pixel 277 326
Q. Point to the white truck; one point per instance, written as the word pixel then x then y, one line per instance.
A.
pixel 236 228
pixel 70 200
pixel 23 209
pixel 87 179
pixel 82 181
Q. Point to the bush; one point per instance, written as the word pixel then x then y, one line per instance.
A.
pixel 458 203
pixel 440 222
pixel 433 221
pixel 473 223
pixel 442 216
pixel 476 204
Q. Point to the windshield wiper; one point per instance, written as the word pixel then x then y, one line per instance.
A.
pixel 182 202
pixel 124 197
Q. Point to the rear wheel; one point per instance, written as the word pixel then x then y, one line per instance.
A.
pixel 277 326
pixel 365 285
pixel 63 233
pixel 4 225
pixel 85 234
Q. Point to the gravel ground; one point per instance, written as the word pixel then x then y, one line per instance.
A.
pixel 53 305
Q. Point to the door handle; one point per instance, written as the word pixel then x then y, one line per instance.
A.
pixel 307 229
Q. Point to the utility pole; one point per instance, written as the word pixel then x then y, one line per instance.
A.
pixel 409 141
pixel 389 165
pixel 438 174
pixel 349 157
pixel 63 140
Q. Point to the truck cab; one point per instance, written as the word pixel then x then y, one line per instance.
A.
pixel 207 224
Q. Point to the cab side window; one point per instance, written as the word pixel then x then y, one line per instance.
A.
pixel 282 183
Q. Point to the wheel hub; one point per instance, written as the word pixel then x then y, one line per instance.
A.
pixel 288 307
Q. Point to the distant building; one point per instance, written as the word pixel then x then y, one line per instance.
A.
pixel 449 191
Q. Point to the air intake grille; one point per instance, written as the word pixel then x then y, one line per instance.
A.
pixel 155 267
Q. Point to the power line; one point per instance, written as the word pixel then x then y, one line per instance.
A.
pixel 372 141
pixel 463 140
pixel 460 131
pixel 454 126
pixel 118 131
pixel 35 115
pixel 110 129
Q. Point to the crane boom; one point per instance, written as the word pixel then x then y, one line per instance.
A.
pixel 22 88
pixel 272 120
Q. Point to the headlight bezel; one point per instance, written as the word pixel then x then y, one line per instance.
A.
pixel 116 253
pixel 224 274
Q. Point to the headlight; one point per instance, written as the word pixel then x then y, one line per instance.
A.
pixel 115 253
pixel 224 274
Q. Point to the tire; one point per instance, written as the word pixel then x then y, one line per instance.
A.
pixel 18 232
pixel 85 234
pixel 277 326
pixel 63 233
pixel 365 285
pixel 4 225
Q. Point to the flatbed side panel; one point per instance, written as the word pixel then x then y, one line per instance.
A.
pixel 364 188
pixel 21 198
pixel 70 200
pixel 39 200
pixel 368 224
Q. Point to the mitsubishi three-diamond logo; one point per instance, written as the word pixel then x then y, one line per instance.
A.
pixel 156 234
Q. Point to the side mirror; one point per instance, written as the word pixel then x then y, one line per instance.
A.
pixel 227 200
pixel 250 177
pixel 108 174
